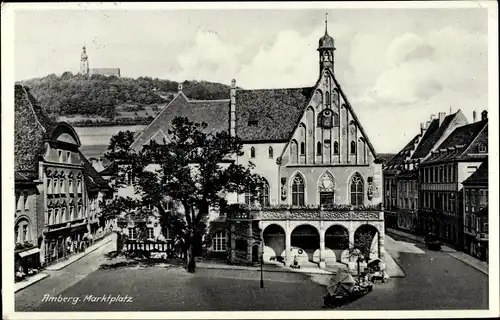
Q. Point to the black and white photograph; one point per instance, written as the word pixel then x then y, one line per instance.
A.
pixel 243 160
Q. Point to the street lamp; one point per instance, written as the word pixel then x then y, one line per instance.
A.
pixel 261 270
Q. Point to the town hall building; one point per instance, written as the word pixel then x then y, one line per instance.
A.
pixel 323 182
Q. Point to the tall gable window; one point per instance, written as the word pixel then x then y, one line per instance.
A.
pixel 357 188
pixel 298 191
pixel 335 147
pixel 353 147
pixel 252 152
pixel 327 98
pixel 302 148
pixel 271 152
pixel 319 149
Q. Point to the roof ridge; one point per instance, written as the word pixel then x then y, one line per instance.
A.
pixel 216 100
pixel 179 94
pixel 32 108
pixel 269 89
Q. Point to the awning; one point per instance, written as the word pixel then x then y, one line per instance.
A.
pixel 29 252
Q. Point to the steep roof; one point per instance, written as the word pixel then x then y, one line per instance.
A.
pixel 31 127
pixel 403 154
pixel 386 157
pixel 480 176
pixel 458 141
pixel 213 112
pixel 270 114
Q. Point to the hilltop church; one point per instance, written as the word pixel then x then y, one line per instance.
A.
pixel 85 70
pixel 323 178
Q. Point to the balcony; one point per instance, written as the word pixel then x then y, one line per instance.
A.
pixel 284 212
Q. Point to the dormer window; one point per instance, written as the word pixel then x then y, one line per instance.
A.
pixel 252 152
pixel 253 123
pixel 271 152
pixel 482 148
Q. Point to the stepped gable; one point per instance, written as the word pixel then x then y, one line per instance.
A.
pixel 480 176
pixel 270 114
pixel 458 142
pixel 31 127
pixel 213 112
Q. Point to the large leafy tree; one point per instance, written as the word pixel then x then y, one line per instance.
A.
pixel 194 168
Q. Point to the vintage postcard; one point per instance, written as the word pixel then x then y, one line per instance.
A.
pixel 250 160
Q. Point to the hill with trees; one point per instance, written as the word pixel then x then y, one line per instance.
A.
pixel 102 100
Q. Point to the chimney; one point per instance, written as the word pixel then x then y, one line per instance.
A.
pixel 474 116
pixel 427 124
pixel 484 115
pixel 422 128
pixel 232 112
pixel 432 117
pixel 441 117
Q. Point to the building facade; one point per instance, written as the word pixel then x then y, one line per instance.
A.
pixel 323 181
pixel 475 190
pixel 442 174
pixel 402 179
pixel 63 205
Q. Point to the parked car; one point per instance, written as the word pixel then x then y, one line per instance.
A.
pixel 432 242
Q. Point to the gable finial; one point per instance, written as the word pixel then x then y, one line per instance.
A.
pixel 326 22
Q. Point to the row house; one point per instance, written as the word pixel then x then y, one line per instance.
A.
pixel 441 175
pixel 475 215
pixel 401 178
pixel 323 178
pixel 47 155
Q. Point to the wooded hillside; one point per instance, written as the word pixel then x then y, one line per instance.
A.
pixel 101 96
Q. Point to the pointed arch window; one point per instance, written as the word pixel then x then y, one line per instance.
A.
pixel 264 196
pixel 357 190
pixel 336 147
pixel 319 149
pixel 353 147
pixel 271 152
pixel 326 190
pixel 335 119
pixel 302 148
pixel 335 97
pixel 252 152
pixel 298 191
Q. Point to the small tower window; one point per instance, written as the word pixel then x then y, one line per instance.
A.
pixel 353 147
pixel 270 151
pixel 319 149
pixel 252 152
pixel 302 148
pixel 482 148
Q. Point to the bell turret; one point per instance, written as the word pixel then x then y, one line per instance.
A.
pixel 326 49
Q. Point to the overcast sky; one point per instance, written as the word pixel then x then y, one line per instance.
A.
pixel 397 66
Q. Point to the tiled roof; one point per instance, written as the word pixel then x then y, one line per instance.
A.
pixel 480 176
pixel 402 155
pixel 213 112
pixel 269 114
pixel 461 137
pixel 93 179
pixel 385 157
pixel 432 135
pixel 32 126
